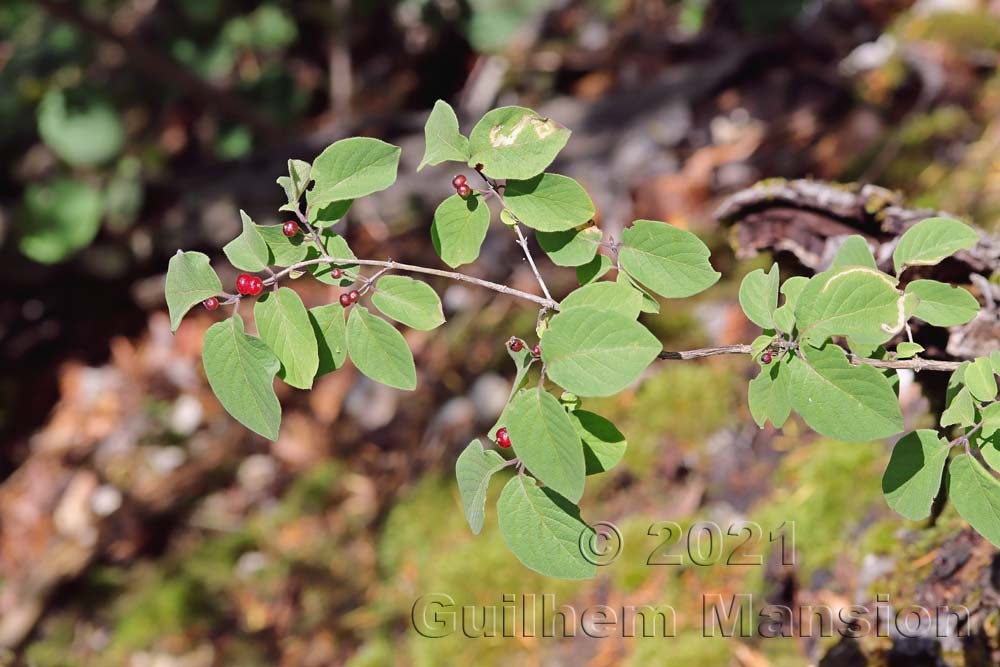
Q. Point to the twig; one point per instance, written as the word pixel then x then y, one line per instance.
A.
pixel 521 240
pixel 915 364
pixel 392 265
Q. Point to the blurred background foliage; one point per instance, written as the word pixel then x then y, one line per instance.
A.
pixel 139 526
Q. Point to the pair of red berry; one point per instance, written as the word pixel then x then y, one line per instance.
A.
pixel 247 284
pixel 516 344
pixel 347 298
pixel 461 185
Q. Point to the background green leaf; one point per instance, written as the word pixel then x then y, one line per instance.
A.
pixel 82 129
pixel 57 219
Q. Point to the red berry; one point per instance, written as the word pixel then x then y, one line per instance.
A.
pixel 766 358
pixel 516 344
pixel 503 438
pixel 243 283
pixel 211 303
pixel 290 228
pixel 337 273
pixel 536 350
pixel 459 181
pixel 345 299
pixel 354 295
pixel 255 286
pixel 463 191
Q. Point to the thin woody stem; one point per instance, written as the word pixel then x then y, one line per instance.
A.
pixel 411 268
pixel 915 364
pixel 521 240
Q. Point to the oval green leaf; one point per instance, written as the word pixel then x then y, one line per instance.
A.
pixel 594 352
pixel 549 202
pixel 670 261
pixel 929 241
pixel 459 229
pixel 514 142
pixel 913 477
pixel 190 280
pixel 409 301
pixel 544 438
pixel 379 351
pixel 284 325
pixel 474 469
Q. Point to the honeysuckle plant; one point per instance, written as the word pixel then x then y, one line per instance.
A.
pixel 826 350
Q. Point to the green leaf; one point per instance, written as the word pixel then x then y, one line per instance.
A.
pixel 961 410
pixel 769 394
pixel 459 229
pixel 907 350
pixel 241 369
pixel 322 217
pixel 330 328
pixel 761 343
pixel 991 420
pixel 975 493
pixel 249 250
pixel 854 252
pixel 352 168
pixel 474 469
pixel 759 296
pixel 544 530
pixel 409 301
pixel 595 352
pixel 913 477
pixel 995 360
pixel 549 202
pixel 379 351
pixel 190 280
pixel 670 261
pixel 284 325
pixel 57 219
pixel 980 379
pixel 649 303
pixel 442 139
pixel 283 251
pixel 784 316
pixel 614 297
pixel 85 131
pixel 942 304
pixel 603 444
pixel 594 269
pixel 929 241
pixel 544 438
pixel 573 247
pixel 296 183
pixel 336 248
pixel 857 302
pixel 514 142
pixel 841 401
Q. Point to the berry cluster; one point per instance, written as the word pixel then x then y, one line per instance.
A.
pixel 247 284
pixel 461 185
